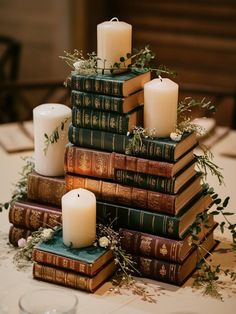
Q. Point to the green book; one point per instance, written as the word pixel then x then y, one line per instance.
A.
pixel 121 85
pixel 155 149
pixel 107 103
pixel 170 185
pixel 88 260
pixel 174 227
pixel 107 121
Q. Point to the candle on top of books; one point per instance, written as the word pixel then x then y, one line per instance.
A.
pixel 78 218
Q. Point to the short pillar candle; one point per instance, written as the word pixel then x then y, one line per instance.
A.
pixel 114 40
pixel 79 218
pixel 49 158
pixel 160 106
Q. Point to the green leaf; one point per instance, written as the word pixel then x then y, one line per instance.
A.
pixel 226 201
pixel 222 226
pixel 122 59
pixel 214 196
pixel 215 212
pixel 217 201
pixel 45 135
pixel 228 214
pixel 6 205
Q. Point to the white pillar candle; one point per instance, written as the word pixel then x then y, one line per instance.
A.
pixel 79 218
pixel 49 159
pixel 160 106
pixel 114 40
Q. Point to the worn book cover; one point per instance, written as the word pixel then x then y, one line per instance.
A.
pixel 136 197
pixel 108 103
pixel 65 277
pixel 85 260
pixel 121 85
pixel 163 149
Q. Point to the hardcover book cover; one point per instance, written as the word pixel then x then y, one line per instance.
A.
pixel 85 260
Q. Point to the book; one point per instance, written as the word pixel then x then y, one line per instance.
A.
pixel 108 103
pixel 32 216
pixel 16 233
pixel 101 164
pixel 73 279
pixel 155 149
pixel 121 85
pixel 46 190
pixel 137 197
pixel 175 227
pixel 86 261
pixel 144 244
pixel 107 121
pixel 172 272
pixel 156 183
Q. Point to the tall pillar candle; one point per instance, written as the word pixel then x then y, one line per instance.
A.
pixel 79 218
pixel 114 40
pixel 49 157
pixel 160 106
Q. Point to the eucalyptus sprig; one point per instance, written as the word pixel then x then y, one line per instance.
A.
pixel 20 188
pixel 186 105
pixel 54 136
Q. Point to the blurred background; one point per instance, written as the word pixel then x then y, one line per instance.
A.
pixel 196 38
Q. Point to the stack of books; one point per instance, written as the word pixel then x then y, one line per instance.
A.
pixel 152 196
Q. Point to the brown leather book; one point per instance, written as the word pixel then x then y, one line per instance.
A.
pixel 139 243
pixel 136 197
pixel 73 279
pixel 15 234
pixel 172 272
pixel 100 164
pixel 32 216
pixel 46 190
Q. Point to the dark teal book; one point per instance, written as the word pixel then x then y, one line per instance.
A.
pixel 107 103
pixel 170 185
pixel 174 227
pixel 121 85
pixel 155 149
pixel 87 260
pixel 107 121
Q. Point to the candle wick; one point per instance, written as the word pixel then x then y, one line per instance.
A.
pixel 114 19
pixel 160 78
pixel 78 195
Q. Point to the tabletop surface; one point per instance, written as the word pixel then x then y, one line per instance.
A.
pixel 169 299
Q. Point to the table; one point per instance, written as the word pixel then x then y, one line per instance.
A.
pixel 171 299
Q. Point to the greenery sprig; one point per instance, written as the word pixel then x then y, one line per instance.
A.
pixel 20 189
pixel 54 136
pixel 140 60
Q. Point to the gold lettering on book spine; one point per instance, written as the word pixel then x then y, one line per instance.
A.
pixel 163 271
pixel 145 245
pixel 18 214
pixel 84 162
pixel 170 226
pixel 33 218
pixel 163 250
pixel 145 265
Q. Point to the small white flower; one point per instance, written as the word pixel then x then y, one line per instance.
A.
pixel 47 234
pixel 21 242
pixel 103 242
pixel 175 136
pixel 79 65
pixel 29 239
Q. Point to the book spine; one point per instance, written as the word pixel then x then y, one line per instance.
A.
pixel 159 270
pixel 134 242
pixel 61 277
pixel 123 194
pixel 44 190
pixel 139 220
pixel 61 261
pixel 114 142
pixel 96 101
pixel 96 85
pixel 15 234
pixel 145 181
pixel 33 218
pixel 100 120
pixel 154 167
pixel 88 162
